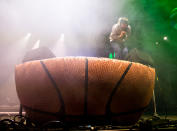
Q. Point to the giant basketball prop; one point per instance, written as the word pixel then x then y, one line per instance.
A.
pixel 84 89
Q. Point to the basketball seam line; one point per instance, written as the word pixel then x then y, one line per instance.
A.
pixel 55 86
pixel 108 111
pixel 86 87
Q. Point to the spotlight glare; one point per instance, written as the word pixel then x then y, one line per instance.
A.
pixel 28 36
pixel 165 38
pixel 62 37
pixel 36 45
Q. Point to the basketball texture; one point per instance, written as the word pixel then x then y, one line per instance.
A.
pixel 84 89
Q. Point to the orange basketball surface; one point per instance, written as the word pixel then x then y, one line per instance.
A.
pixel 84 89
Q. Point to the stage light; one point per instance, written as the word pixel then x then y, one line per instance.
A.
pixel 36 45
pixel 62 37
pixel 28 36
pixel 165 38
pixel 110 55
pixel 59 48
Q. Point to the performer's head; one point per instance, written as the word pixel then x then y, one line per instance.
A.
pixel 123 23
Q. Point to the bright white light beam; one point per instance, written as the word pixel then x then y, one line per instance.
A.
pixel 28 36
pixel 36 45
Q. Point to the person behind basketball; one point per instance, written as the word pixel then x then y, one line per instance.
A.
pixel 120 32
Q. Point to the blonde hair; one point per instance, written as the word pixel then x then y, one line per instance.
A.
pixel 122 19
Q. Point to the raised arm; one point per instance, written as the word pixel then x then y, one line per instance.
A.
pixel 117 35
